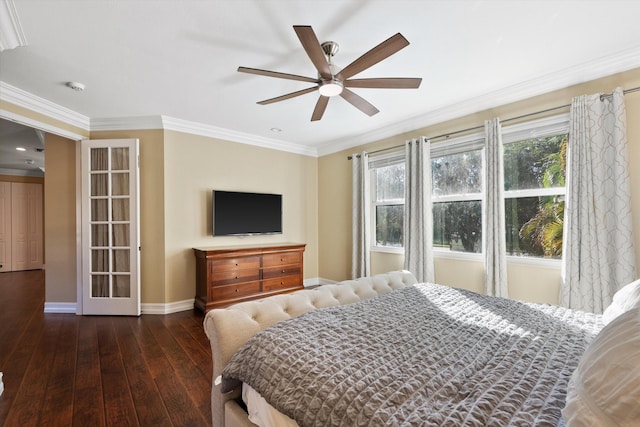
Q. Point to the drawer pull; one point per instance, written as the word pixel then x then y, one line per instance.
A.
pixel 284 271
pixel 236 290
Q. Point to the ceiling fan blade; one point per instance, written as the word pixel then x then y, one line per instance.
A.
pixel 288 96
pixel 375 55
pixel 359 102
pixel 311 45
pixel 385 83
pixel 276 74
pixel 321 105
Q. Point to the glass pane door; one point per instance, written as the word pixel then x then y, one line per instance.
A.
pixel 111 267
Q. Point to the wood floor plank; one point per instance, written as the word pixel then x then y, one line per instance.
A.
pixel 175 396
pixel 15 364
pixel 147 399
pixel 87 401
pixel 68 370
pixel 119 408
pixel 25 408
pixel 57 409
pixel 191 341
pixel 187 372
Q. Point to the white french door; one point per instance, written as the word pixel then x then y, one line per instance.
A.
pixel 110 231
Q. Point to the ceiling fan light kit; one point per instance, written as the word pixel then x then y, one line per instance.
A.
pixel 330 88
pixel 331 81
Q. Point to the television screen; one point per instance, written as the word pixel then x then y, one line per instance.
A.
pixel 241 214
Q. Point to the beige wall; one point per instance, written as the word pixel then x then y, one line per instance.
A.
pixel 60 219
pixel 526 282
pixel 195 165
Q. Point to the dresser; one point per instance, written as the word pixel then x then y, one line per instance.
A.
pixel 231 274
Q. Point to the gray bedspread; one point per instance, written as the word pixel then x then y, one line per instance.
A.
pixel 425 355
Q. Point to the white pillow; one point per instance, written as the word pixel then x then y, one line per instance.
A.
pixel 605 388
pixel 624 300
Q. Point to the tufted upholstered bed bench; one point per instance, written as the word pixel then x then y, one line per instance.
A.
pixel 229 328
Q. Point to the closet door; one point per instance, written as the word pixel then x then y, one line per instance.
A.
pixel 110 237
pixel 5 226
pixel 26 226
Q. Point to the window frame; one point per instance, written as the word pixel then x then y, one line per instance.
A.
pixel 467 143
pixel 548 126
pixel 390 158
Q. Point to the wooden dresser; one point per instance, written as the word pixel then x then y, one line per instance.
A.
pixel 227 275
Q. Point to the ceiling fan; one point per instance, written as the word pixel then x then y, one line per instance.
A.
pixel 331 81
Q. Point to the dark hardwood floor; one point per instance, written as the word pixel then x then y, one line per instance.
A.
pixel 68 370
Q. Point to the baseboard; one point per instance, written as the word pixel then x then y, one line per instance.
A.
pixel 172 307
pixel 146 308
pixel 317 281
pixel 60 307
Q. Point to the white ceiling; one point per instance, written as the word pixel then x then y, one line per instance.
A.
pixel 178 59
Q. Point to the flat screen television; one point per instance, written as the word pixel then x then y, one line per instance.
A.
pixel 238 213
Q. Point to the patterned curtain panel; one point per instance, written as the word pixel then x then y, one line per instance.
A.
pixel 418 221
pixel 598 254
pixel 493 226
pixel 360 263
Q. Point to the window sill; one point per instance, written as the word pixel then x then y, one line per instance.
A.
pixel 387 249
pixel 472 256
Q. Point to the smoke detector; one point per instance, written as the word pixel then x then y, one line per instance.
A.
pixel 77 86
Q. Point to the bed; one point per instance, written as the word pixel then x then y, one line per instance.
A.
pixel 386 350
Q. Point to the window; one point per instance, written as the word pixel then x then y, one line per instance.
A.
pixel 534 184
pixel 534 176
pixel 387 190
pixel 456 170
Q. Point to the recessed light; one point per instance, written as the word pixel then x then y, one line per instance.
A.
pixel 21 149
pixel 276 130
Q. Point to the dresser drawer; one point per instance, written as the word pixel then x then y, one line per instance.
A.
pixel 243 263
pixel 285 282
pixel 274 260
pixel 234 291
pixel 234 276
pixel 288 270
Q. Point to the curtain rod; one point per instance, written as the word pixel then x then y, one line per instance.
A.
pixel 447 135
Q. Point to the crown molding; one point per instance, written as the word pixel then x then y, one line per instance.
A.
pixel 194 128
pixel 180 125
pixel 126 123
pixel 616 63
pixel 42 106
pixel 11 34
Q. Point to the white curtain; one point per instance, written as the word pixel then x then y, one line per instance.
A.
pixel 598 253
pixel 360 261
pixel 418 220
pixel 495 251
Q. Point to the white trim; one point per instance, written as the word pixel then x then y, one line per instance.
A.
pixel 535 192
pixel 448 254
pixel 21 172
pixel 318 281
pixel 388 249
pixel 9 115
pixel 194 128
pixel 548 126
pixel 168 308
pixel 535 261
pixel 42 106
pixel 11 34
pixel 60 307
pixel 126 123
pixel 148 308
